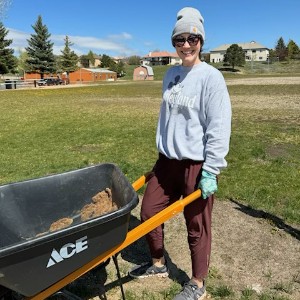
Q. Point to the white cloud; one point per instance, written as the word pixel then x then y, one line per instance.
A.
pixel 81 44
pixel 19 39
pixel 122 36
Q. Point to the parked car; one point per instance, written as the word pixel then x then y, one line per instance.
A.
pixel 53 81
pixel 41 82
pixel 49 81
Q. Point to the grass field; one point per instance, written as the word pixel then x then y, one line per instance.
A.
pixel 250 69
pixel 46 131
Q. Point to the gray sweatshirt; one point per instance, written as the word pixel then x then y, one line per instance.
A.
pixel 195 116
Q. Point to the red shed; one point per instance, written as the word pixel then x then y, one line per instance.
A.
pixel 143 73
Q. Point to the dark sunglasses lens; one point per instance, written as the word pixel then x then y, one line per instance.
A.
pixel 193 40
pixel 179 42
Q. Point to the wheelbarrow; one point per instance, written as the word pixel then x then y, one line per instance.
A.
pixel 36 265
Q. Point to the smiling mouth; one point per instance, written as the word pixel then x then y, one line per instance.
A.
pixel 188 53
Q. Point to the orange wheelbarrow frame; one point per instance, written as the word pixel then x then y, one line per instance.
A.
pixel 132 236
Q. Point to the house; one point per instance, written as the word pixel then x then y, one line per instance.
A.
pixel 97 61
pixel 253 52
pixel 89 75
pixel 143 72
pixel 117 59
pixel 161 58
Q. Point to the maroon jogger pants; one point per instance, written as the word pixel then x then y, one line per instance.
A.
pixel 170 179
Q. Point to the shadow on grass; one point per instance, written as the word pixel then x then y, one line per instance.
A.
pixel 228 69
pixel 279 223
pixel 87 286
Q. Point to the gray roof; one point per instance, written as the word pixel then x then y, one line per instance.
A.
pixel 99 70
pixel 246 46
pixel 149 70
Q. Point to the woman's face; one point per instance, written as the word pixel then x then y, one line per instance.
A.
pixel 188 47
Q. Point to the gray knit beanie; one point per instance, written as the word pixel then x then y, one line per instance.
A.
pixel 189 20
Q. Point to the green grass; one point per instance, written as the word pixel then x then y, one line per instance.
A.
pixel 46 131
pixel 50 131
pixel 253 69
pixel 249 70
pixel 263 163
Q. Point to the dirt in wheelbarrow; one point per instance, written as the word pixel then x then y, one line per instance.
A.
pixel 252 252
pixel 101 203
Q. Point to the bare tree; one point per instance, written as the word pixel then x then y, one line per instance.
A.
pixel 4 5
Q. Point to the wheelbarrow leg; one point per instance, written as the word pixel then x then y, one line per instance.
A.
pixel 115 259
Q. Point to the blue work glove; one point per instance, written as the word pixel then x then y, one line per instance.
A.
pixel 208 184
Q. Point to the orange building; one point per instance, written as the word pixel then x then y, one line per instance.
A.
pixel 89 75
pixel 37 76
pixel 82 75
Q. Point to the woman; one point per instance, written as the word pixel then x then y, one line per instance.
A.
pixel 192 138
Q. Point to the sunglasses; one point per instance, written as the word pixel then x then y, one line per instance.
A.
pixel 191 39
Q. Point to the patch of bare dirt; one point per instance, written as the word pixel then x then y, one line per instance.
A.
pixel 251 249
pixel 264 80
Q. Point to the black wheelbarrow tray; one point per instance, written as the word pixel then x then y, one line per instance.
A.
pixel 36 266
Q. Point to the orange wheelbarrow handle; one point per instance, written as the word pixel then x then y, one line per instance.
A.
pixel 132 236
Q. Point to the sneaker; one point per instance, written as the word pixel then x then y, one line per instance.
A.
pixel 191 291
pixel 149 270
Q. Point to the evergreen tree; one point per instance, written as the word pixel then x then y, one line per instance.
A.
pixel 281 49
pixel 40 50
pixel 272 55
pixel 234 55
pixel 91 58
pixel 8 62
pixel 84 61
pixel 106 61
pixel 293 50
pixel 68 59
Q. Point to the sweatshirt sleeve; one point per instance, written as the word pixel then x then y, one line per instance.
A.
pixel 218 124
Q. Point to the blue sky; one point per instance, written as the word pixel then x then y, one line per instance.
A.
pixel 135 27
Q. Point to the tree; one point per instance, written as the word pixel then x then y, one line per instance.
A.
pixel 4 5
pixel 8 62
pixel 234 55
pixel 293 50
pixel 91 58
pixel 22 66
pixel 40 50
pixel 84 61
pixel 134 60
pixel 120 69
pixel 281 49
pixel 68 59
pixel 272 56
pixel 106 61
